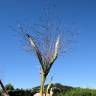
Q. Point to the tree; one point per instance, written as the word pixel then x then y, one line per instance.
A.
pixel 9 87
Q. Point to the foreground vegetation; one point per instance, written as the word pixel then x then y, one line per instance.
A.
pixel 59 90
pixel 79 92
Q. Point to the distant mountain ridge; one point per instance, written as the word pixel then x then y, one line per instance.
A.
pixel 56 86
pixel 58 89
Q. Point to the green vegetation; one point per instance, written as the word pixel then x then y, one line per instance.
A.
pixel 46 61
pixel 58 89
pixel 79 92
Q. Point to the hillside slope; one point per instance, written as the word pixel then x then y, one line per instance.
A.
pixel 58 89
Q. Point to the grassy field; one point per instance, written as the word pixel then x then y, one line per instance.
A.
pixel 78 92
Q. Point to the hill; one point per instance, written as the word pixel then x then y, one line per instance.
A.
pixel 58 89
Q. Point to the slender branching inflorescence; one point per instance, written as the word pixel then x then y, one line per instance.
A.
pixel 47 40
pixel 46 63
pixel 47 44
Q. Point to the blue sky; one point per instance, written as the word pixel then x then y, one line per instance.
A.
pixel 76 68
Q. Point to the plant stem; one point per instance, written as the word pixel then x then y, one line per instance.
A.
pixel 43 78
